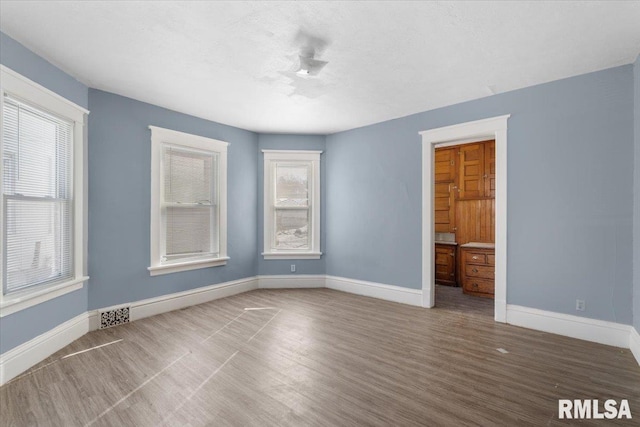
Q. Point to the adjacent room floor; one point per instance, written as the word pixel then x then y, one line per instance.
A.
pixel 318 357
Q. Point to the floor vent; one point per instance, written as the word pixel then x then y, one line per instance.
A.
pixel 114 317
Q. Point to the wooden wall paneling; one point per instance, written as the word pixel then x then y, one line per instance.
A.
pixel 475 221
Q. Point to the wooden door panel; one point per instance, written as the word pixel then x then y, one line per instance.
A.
pixel 445 164
pixel 471 162
pixel 444 213
pixel 490 169
pixel 445 265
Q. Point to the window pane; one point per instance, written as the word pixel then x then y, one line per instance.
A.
pixel 188 176
pixel 292 184
pixel 189 231
pixel 38 242
pixel 37 196
pixel 292 229
pixel 36 149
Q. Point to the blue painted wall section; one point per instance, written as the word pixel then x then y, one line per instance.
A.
pixel 636 195
pixel 570 192
pixel 24 325
pixel 120 198
pixel 291 142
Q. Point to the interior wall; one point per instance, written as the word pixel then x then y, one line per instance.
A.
pixel 636 196
pixel 24 325
pixel 291 142
pixel 570 175
pixel 120 198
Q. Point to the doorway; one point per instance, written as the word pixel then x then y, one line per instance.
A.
pixel 493 128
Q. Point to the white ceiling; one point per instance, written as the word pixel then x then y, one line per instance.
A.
pixel 234 62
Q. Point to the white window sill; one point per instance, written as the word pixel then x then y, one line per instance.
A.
pixel 157 270
pixel 20 300
pixel 291 255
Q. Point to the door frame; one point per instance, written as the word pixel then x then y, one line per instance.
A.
pixel 491 128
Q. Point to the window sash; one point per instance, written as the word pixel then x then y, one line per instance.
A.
pixel 290 236
pixel 190 235
pixel 26 188
pixel 294 236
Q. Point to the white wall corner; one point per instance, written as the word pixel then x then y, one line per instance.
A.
pixel 19 359
pixel 634 343
pixel 376 290
pixel 600 331
pixel 292 281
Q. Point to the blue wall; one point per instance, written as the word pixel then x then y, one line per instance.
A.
pixel 572 150
pixel 570 175
pixel 291 142
pixel 636 196
pixel 120 197
pixel 24 325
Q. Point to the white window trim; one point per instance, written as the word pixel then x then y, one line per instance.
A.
pixel 23 88
pixel 291 155
pixel 160 136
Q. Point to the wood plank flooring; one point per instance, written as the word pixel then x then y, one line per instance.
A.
pixel 319 357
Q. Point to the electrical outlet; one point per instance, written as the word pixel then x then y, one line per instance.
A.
pixel 293 268
pixel 580 304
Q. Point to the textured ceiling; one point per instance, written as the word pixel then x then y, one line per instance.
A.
pixel 235 62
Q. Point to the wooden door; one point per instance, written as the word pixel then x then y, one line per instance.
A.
pixel 445 164
pixel 471 171
pixel 445 265
pixel 490 169
pixel 444 208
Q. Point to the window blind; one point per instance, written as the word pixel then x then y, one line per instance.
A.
pixel 190 208
pixel 37 196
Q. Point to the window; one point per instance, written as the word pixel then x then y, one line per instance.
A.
pixel 42 215
pixel 188 202
pixel 291 204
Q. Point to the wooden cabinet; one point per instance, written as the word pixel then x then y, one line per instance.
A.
pixel 490 169
pixel 445 164
pixel 444 190
pixel 476 172
pixel 477 269
pixel 444 208
pixel 445 264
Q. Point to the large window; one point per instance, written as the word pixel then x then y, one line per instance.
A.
pixel 188 206
pixel 291 204
pixel 41 181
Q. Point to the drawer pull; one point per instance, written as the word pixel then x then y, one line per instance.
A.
pixel 474 257
pixel 475 286
pixel 475 270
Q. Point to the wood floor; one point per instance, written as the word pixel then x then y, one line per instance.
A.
pixel 323 358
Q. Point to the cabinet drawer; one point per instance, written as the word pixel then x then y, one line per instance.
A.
pixel 491 259
pixel 475 258
pixel 483 271
pixel 472 284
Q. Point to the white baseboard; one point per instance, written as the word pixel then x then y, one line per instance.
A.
pixel 376 290
pixel 500 311
pixel 20 358
pixel 634 343
pixel 165 303
pixel 291 281
pixel 600 331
